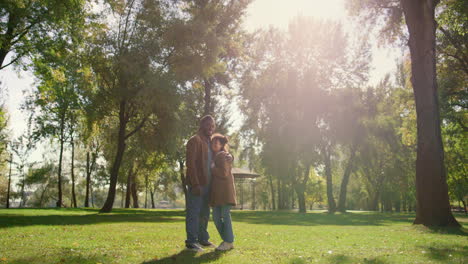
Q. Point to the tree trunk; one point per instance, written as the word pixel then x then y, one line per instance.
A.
pixel 300 190
pixel 433 207
pixel 398 206
pixel 182 179
pixel 253 196
pixel 279 193
pixel 374 203
pixel 272 188
pixel 146 191
pixel 242 195
pixel 345 181
pixel 62 124
pixel 388 205
pixel 129 186
pixel 208 106
pixel 9 183
pixel 122 194
pixel 91 195
pixel 152 198
pixel 88 179
pixel 328 173
pixel 22 187
pixel 89 170
pixel 301 201
pixel 73 174
pixel 109 203
pixel 134 192
pixel 293 200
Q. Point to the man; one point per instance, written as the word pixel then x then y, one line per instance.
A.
pixel 198 160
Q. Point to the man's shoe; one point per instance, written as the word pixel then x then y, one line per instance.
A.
pixel 208 244
pixel 225 246
pixel 194 247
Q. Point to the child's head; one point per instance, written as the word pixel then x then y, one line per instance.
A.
pixel 219 142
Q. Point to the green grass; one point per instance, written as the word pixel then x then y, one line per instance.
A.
pixel 157 236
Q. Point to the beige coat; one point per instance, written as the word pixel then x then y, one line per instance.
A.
pixel 223 191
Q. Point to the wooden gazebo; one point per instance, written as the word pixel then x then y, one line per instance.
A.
pixel 242 176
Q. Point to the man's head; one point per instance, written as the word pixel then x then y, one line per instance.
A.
pixel 207 125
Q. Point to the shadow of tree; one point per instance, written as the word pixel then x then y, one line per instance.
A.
pixel 85 216
pixel 449 231
pixel 11 220
pixel 340 258
pixel 311 219
pixel 64 256
pixel 447 253
pixel 186 256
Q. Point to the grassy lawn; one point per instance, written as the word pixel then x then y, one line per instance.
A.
pixel 157 236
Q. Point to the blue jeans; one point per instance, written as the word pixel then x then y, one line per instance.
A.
pixel 222 220
pixel 197 216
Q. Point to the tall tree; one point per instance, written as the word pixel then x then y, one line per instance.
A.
pixel 56 101
pixel 431 183
pixel 134 77
pixel 23 147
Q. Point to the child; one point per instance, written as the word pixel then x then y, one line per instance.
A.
pixel 223 193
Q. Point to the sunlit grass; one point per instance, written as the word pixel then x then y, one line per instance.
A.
pixel 157 236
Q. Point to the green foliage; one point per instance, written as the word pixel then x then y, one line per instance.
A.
pixel 205 38
pixel 4 155
pixel 42 181
pixel 454 17
pixel 385 163
pixel 452 39
pixel 26 24
pixel 388 14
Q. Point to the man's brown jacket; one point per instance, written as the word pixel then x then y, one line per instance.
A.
pixel 196 160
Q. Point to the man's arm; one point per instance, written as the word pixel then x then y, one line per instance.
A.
pixel 192 172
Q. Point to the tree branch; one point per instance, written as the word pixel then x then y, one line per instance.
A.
pixel 11 62
pixel 142 123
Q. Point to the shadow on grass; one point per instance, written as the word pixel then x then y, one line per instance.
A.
pixel 89 216
pixel 185 256
pixel 311 219
pixel 457 231
pixel 447 253
pixel 64 256
pixel 342 259
pixel 86 216
pixel 449 230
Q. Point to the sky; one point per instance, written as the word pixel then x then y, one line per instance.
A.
pixel 260 14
